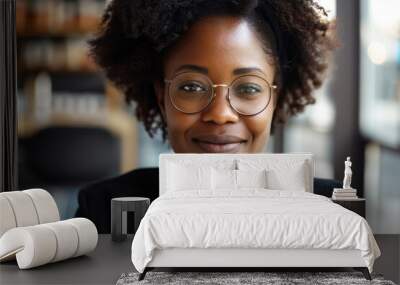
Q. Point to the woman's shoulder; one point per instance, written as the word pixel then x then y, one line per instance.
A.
pixel 97 195
pixel 94 198
pixel 138 176
pixel 140 181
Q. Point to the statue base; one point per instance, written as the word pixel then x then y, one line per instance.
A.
pixel 344 190
pixel 344 194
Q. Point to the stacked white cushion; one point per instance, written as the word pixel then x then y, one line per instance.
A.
pixel 40 244
pixel 185 174
pixel 282 172
pixel 219 177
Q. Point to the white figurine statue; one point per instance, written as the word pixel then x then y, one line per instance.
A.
pixel 346 192
pixel 347 174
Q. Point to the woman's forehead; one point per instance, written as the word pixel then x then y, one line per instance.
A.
pixel 220 44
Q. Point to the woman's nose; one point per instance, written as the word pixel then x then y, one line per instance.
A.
pixel 220 111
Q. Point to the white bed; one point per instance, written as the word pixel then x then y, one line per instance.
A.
pixel 217 224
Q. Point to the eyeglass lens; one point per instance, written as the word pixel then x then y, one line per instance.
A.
pixel 192 92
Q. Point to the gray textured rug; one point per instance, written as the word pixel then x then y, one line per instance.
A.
pixel 229 278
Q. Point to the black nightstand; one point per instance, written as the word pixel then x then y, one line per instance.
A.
pixel 355 205
pixel 119 208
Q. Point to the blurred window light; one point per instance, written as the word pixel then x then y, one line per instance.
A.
pixel 385 15
pixel 330 7
pixel 377 53
pixel 322 115
pixel 380 71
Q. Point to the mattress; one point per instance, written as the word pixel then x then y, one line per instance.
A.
pixel 251 218
pixel 255 257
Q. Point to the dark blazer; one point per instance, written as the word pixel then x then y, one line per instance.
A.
pixel 95 199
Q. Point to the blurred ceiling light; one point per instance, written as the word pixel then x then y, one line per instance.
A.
pixel 377 53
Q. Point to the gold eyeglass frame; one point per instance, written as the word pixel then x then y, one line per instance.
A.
pixel 213 86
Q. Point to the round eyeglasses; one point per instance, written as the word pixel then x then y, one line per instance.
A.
pixel 192 92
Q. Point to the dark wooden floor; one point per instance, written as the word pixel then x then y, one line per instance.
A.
pixel 389 262
pixel 106 264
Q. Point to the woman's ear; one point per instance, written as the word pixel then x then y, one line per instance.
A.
pixel 159 89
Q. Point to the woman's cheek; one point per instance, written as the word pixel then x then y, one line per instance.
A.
pixel 259 126
pixel 177 125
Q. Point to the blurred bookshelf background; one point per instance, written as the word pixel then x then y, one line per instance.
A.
pixel 73 125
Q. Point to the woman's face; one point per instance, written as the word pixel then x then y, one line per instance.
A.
pixel 224 48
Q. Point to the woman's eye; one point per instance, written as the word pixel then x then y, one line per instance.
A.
pixel 192 87
pixel 248 89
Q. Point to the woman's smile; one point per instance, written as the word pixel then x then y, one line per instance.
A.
pixel 219 143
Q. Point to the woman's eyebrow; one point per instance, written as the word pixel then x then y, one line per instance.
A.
pixel 192 67
pixel 204 70
pixel 244 70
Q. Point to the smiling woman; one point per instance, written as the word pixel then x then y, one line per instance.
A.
pixel 212 76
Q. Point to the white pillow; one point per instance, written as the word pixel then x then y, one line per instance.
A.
pixel 230 180
pixel 220 163
pixel 251 178
pixel 182 177
pixel 294 179
pixel 223 179
pixel 282 174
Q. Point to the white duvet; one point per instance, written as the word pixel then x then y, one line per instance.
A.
pixel 252 218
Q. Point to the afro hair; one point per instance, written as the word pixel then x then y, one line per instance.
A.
pixel 134 34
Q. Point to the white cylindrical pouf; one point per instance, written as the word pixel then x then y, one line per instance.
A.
pixel 40 244
pixel 34 245
pixel 67 239
pixel 45 205
pixel 87 234
pixel 23 208
pixel 7 218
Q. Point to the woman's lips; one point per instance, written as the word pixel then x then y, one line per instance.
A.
pixel 218 147
pixel 219 143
